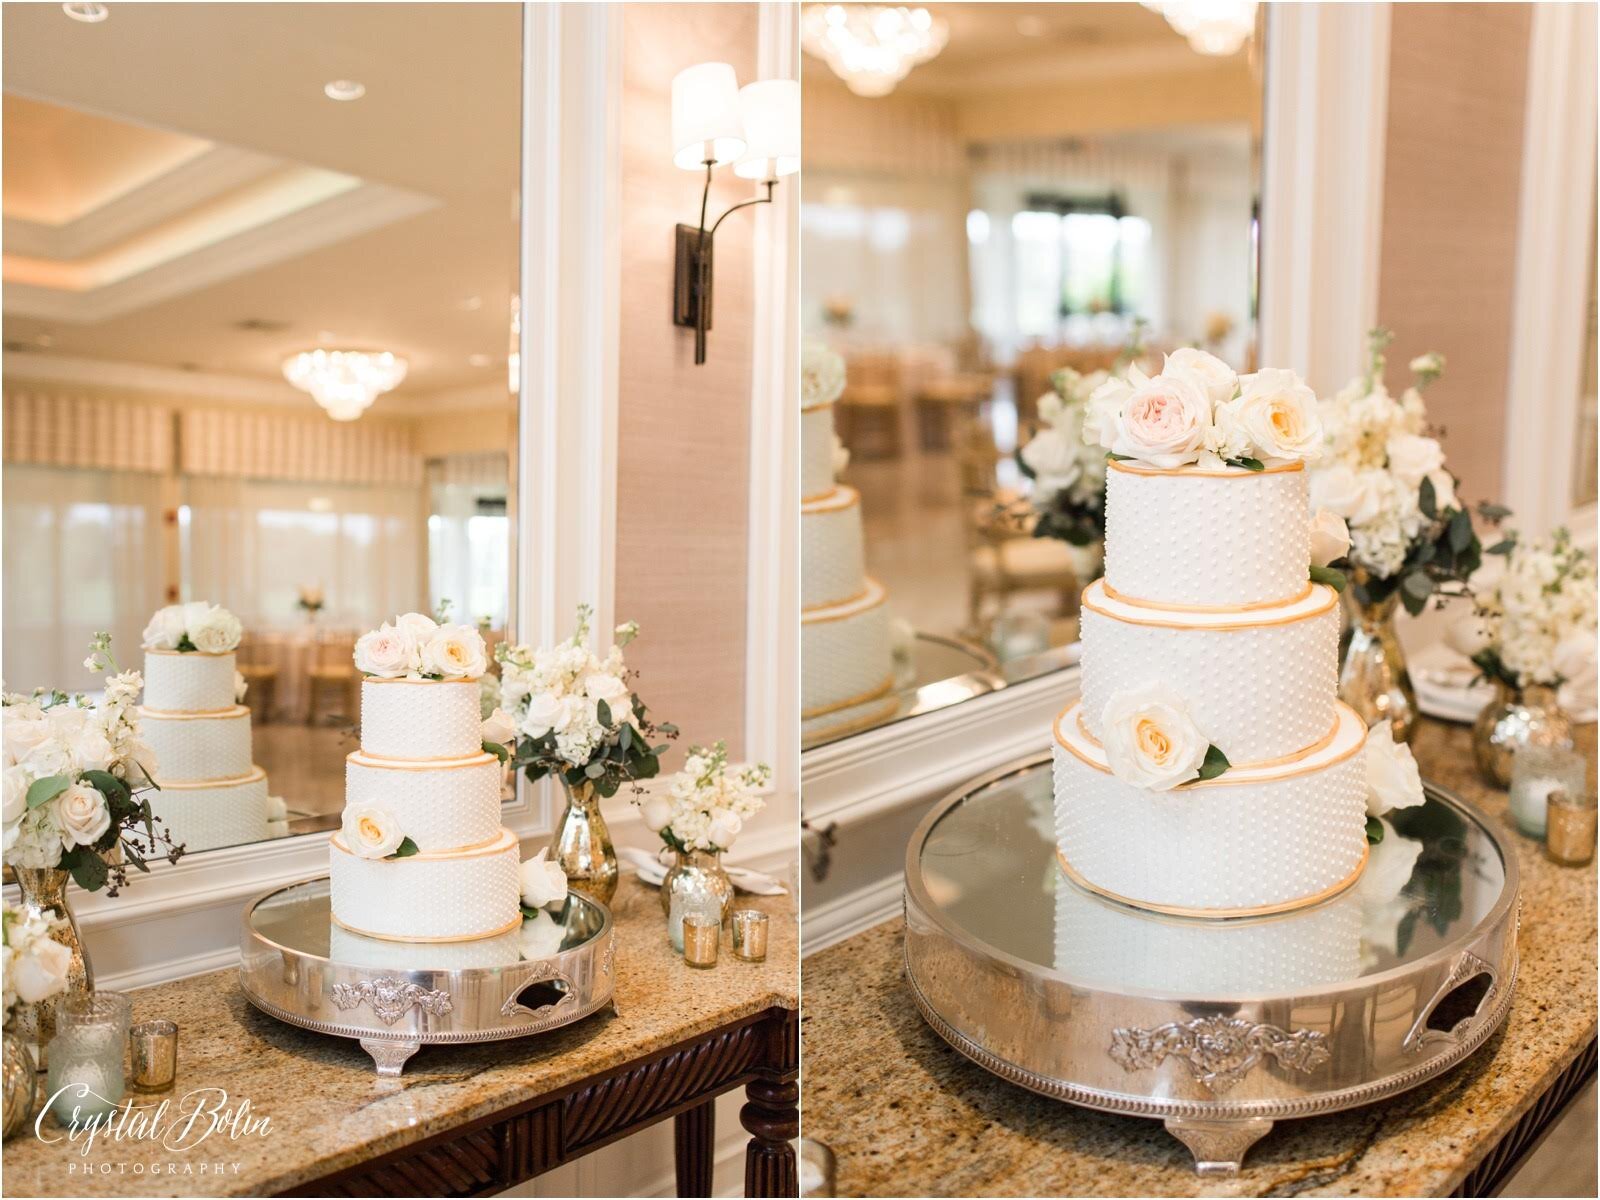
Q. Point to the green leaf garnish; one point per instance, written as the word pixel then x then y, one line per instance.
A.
pixel 1374 831
pixel 1249 464
pixel 1328 575
pixel 42 791
pixel 405 849
pixel 496 749
pixel 1216 762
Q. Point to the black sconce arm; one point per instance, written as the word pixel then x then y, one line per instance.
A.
pixel 692 283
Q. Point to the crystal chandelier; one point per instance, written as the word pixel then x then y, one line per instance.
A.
pixel 344 382
pixel 1217 27
pixel 872 47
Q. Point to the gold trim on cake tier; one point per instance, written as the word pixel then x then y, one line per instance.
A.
pixel 499 844
pixel 1234 776
pixel 882 689
pixel 839 498
pixel 819 405
pixel 185 785
pixel 455 937
pixel 231 713
pixel 874 596
pixel 403 679
pixel 1111 593
pixel 856 724
pixel 1091 594
pixel 1218 914
pixel 827 604
pixel 1196 472
pixel 454 762
pixel 1283 760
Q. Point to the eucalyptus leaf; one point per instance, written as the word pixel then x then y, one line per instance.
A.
pixel 602 713
pixel 1428 499
pixel 1460 532
pixel 42 791
pixel 88 869
pixel 107 784
pixel 1504 546
pixel 1330 576
pixel 1249 464
pixel 594 770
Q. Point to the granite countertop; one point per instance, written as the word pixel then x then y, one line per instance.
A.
pixel 906 1115
pixel 329 1110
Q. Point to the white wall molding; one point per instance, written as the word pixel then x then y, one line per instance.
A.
pixel 1550 306
pixel 839 919
pixel 1326 113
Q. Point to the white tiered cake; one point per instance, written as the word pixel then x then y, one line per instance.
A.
pixel 421 855
pixel 211 792
pixel 846 654
pixel 1205 637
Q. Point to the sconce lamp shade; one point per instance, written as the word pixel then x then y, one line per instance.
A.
pixel 771 113
pixel 705 116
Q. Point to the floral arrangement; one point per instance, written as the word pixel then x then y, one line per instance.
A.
pixel 1387 479
pixel 822 374
pixel 1151 741
pixel 416 646
pixel 311 598
pixel 196 626
pixel 1069 476
pixel 1393 778
pixel 1536 623
pixel 574 714
pixel 706 804
pixel 33 964
pixel 74 774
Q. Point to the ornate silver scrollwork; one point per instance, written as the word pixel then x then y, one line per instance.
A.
pixel 1219 1051
pixel 608 956
pixel 391 999
pixel 541 973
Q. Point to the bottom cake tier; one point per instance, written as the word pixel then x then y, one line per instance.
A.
pixel 443 897
pixel 846 655
pixel 500 950
pixel 217 813
pixel 1249 842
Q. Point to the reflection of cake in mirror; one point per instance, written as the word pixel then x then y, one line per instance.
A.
pixel 211 792
pixel 846 640
pixel 421 855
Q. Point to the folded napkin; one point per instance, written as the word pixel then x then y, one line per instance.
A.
pixel 653 870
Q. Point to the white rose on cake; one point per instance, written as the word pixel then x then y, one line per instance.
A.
pixel 1218 378
pixel 165 630
pixel 543 882
pixel 1393 780
pixel 1279 412
pixel 371 832
pixel 1330 538
pixel 416 627
pixel 217 632
pixel 1164 422
pixel 454 652
pixel 83 815
pixel 1149 740
pixel 383 652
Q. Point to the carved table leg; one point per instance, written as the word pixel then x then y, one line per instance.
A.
pixel 1218 1147
pixel 694 1148
pixel 389 1057
pixel 773 1118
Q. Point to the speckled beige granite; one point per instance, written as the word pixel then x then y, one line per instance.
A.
pixel 908 1116
pixel 329 1111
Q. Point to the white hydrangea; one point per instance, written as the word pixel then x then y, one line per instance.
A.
pixel 559 689
pixel 1060 455
pixel 1539 617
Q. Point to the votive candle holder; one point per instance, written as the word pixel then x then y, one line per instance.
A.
pixel 86 1076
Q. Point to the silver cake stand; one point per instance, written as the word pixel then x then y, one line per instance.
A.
pixel 395 997
pixel 1219 1029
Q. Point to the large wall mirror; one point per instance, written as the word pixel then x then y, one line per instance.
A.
pixel 1058 183
pixel 193 194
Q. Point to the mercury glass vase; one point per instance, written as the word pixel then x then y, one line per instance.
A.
pixel 44 895
pixel 583 846
pixel 695 881
pixel 1514 719
pixel 1373 679
pixel 20 1084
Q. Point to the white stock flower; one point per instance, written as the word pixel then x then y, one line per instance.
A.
pixel 1164 421
pixel 499 728
pixel 217 632
pixel 383 652
pixel 1393 780
pixel 83 816
pixel 165 629
pixel 1217 377
pixel 371 832
pixel 1330 538
pixel 1279 412
pixel 543 882
pixel 1412 457
pixel 454 652
pixel 1149 739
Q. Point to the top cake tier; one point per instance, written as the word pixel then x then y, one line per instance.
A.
pixel 188 681
pixel 1216 540
pixel 415 720
pixel 816 451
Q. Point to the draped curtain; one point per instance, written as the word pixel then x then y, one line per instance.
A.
pixel 469 537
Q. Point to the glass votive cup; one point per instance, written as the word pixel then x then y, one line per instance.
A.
pixel 750 934
pixel 1536 772
pixel 154 1055
pixel 86 1078
pixel 701 937
pixel 1570 834
pixel 690 904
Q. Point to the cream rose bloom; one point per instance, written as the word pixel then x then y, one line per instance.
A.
pixel 1149 740
pixel 1330 538
pixel 217 632
pixel 194 615
pixel 543 882
pixel 499 728
pixel 1218 378
pixel 1411 458
pixel 1467 635
pixel 455 652
pixel 656 813
pixel 165 629
pixel 41 972
pixel 419 627
pixel 723 828
pixel 384 653
pixel 1105 406
pixel 1393 780
pixel 83 816
pixel 1164 421
pixel 544 713
pixel 371 832
pixel 1279 412
pixel 1052 456
pixel 1353 495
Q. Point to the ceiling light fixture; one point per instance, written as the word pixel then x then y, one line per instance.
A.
pixel 89 14
pixel 872 47
pixel 1215 27
pixel 344 382
pixel 344 89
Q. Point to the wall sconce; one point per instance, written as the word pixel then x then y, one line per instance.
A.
pixel 715 123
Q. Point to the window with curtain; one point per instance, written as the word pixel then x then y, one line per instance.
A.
pixel 83 553
pixel 469 538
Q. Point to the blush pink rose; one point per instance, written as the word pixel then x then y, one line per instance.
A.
pixel 1164 421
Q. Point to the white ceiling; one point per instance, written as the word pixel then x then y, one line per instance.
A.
pixel 176 170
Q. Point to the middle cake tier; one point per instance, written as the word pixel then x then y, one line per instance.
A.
pixel 1260 684
pixel 444 805
pixel 833 560
pixel 427 897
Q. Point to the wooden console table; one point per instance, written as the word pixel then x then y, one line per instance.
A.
pixel 469 1120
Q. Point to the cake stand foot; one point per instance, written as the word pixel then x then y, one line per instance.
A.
pixel 389 1057
pixel 1218 1146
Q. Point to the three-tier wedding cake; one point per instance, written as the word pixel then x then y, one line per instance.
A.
pixel 1208 768
pixel 421 855
pixel 211 793
pixel 846 644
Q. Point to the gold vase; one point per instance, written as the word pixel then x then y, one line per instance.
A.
pixel 20 1087
pixel 583 845
pixel 1515 718
pixel 697 873
pixel 44 894
pixel 1373 678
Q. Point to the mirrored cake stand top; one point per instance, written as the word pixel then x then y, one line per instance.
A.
pixel 1217 1027
pixel 296 964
